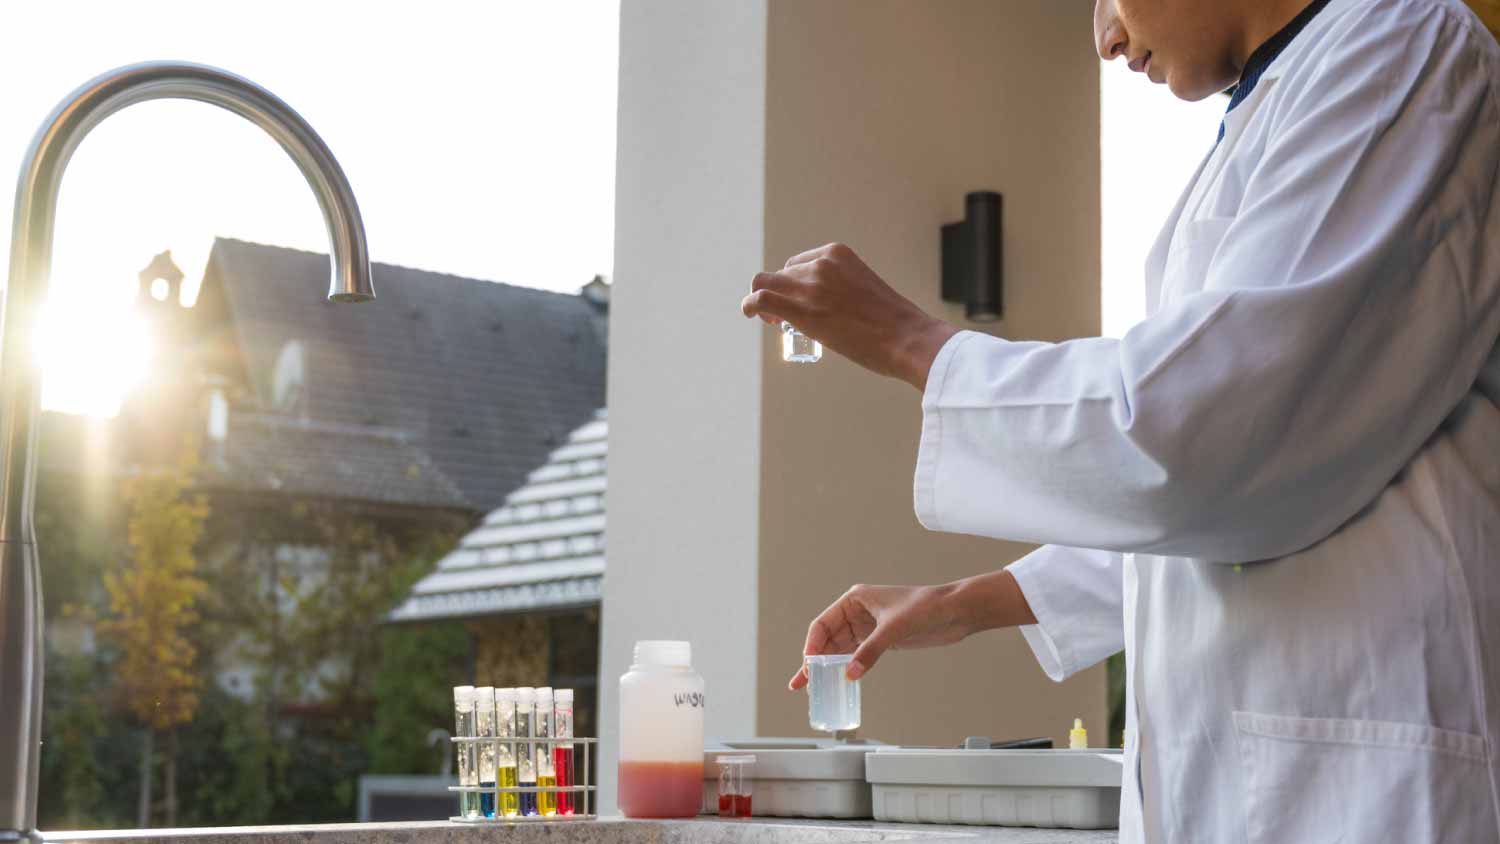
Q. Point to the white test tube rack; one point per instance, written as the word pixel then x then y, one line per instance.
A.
pixel 585 808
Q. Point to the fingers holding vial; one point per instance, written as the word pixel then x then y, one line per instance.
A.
pixel 773 298
pixel 830 295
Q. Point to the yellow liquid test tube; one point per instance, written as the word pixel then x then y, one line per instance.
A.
pixel 546 801
pixel 510 804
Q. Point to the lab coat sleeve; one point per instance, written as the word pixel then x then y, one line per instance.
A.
pixel 1076 596
pixel 1347 309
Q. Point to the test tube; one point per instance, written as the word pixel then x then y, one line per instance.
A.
pixel 525 758
pixel 562 755
pixel 484 715
pixel 509 805
pixel 468 758
pixel 797 347
pixel 546 774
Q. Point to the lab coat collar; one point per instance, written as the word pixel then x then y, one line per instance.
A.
pixel 1264 57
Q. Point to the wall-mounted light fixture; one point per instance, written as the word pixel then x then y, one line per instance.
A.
pixel 973 257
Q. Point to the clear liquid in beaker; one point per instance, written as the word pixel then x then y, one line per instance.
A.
pixel 797 347
pixel 832 699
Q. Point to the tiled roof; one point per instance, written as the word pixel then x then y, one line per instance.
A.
pixel 543 549
pixel 324 460
pixel 269 454
pixel 484 378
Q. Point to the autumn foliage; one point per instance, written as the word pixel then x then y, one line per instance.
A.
pixel 153 597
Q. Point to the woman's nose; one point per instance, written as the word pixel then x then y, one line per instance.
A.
pixel 1109 34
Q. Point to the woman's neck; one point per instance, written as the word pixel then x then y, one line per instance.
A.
pixel 1263 19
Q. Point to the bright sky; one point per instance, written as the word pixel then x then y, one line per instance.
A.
pixel 479 138
pixel 1151 144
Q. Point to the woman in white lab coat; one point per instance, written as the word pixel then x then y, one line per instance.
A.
pixel 1280 493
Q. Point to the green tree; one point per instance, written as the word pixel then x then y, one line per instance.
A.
pixel 300 591
pixel 75 725
pixel 417 664
pixel 153 604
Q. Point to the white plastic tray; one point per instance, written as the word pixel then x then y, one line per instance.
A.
pixel 797 778
pixel 1073 789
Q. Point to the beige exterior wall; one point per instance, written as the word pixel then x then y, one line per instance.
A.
pixel 881 115
pixel 745 494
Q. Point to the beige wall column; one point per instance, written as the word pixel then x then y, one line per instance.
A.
pixel 745 494
pixel 881 115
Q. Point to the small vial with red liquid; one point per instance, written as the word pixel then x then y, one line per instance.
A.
pixel 735 785
pixel 562 727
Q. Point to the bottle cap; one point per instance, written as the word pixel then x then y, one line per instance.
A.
pixel 667 653
pixel 563 695
pixel 526 696
pixel 544 696
pixel 463 695
pixel 484 697
pixel 506 695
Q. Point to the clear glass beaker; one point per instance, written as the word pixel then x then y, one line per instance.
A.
pixel 832 698
pixel 736 785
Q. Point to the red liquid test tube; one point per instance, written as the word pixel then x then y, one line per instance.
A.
pixel 562 760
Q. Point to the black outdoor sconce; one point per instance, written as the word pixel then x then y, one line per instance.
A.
pixel 973 257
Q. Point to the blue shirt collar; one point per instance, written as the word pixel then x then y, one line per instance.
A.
pixel 1266 54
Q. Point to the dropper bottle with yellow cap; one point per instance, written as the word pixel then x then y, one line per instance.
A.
pixel 1078 737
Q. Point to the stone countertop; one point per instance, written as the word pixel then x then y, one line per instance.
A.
pixel 614 830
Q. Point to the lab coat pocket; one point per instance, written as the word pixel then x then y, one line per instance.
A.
pixel 1340 780
pixel 1193 249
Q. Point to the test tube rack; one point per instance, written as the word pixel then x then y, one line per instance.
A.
pixel 586 810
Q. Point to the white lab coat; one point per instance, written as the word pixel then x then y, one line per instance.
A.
pixel 1317 388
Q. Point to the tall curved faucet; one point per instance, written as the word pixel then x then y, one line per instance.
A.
pixel 20 382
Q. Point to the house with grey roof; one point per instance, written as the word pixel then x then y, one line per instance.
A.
pixel 543 549
pixel 482 378
pixel 532 572
pixel 424 409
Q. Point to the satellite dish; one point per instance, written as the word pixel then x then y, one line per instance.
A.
pixel 288 380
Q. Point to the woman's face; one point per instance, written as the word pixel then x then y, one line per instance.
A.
pixel 1187 44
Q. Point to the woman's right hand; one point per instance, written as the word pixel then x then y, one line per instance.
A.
pixel 869 620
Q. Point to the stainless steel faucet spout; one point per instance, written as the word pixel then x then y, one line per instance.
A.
pixel 20 383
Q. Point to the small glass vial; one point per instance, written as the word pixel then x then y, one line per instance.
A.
pixel 832 698
pixel 735 785
pixel 508 804
pixel 484 717
pixel 562 755
pixel 525 758
pixel 797 347
pixel 468 753
pixel 546 775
